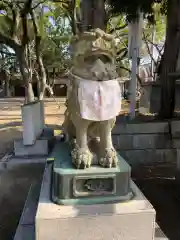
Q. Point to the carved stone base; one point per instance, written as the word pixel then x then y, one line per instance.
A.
pixel 134 219
pixel 86 186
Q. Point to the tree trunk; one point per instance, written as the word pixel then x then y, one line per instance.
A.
pixel 7 87
pixel 38 83
pixel 42 70
pixel 87 14
pixel 73 16
pixel 99 14
pixel 25 72
pixel 93 14
pixel 5 83
pixel 169 60
pixel 43 77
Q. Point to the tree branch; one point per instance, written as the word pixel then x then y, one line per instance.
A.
pixel 118 28
pixel 121 51
pixel 9 42
pixel 6 2
pixel 25 38
pixel 24 12
pixel 155 45
pixel 33 17
pixel 120 58
pixel 39 57
pixel 61 1
pixel 27 7
pixel 149 52
pixel 7 53
pixel 15 24
pixel 14 20
pixel 34 7
pixel 73 17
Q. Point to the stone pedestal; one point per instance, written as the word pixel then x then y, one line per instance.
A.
pixel 132 220
pixel 92 185
pixel 26 227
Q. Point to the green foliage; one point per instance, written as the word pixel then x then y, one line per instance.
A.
pixel 55 21
pixel 132 8
pixel 56 36
pixel 7 59
pixel 53 27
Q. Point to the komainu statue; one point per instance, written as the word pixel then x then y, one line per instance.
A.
pixel 93 100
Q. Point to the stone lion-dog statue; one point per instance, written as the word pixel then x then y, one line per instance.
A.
pixel 93 99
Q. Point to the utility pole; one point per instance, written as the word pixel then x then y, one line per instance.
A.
pixel 133 84
pixel 134 43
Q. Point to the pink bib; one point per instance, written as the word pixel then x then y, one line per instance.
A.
pixel 99 101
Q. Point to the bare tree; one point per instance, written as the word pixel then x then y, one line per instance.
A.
pixel 19 12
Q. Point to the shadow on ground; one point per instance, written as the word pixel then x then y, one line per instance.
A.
pixel 14 187
pixel 158 184
pixel 8 133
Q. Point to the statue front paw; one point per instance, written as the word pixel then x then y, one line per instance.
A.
pixel 81 158
pixel 109 158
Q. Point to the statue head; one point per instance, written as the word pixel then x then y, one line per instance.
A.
pixel 95 50
pixel 95 43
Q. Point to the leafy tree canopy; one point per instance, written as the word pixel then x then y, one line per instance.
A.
pixel 132 8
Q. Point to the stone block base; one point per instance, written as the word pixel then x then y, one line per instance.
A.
pixel 39 148
pixel 132 220
pixel 68 183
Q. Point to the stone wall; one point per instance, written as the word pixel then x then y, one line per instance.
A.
pixel 146 143
pixel 175 132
